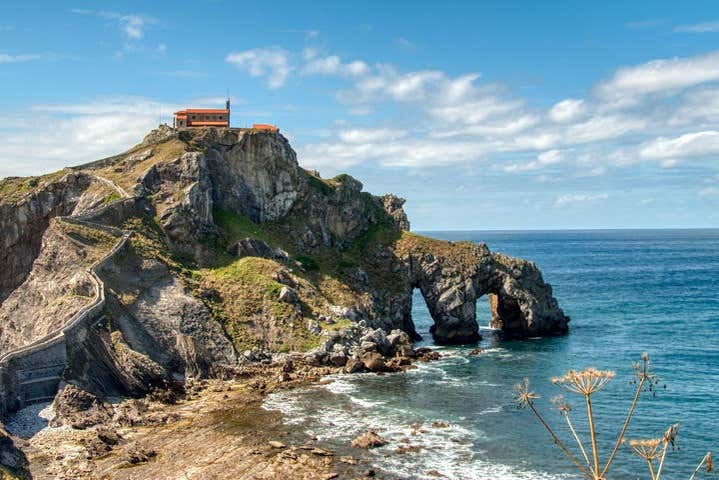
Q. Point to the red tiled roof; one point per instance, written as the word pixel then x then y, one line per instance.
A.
pixel 265 126
pixel 207 124
pixel 203 110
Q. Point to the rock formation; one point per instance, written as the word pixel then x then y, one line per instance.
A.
pixel 230 247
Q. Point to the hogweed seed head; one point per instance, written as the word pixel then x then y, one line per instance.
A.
pixel 670 436
pixel 523 395
pixel 643 371
pixel 647 448
pixel 563 406
pixel 585 382
pixel 709 463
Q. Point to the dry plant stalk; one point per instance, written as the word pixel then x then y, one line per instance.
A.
pixel 586 383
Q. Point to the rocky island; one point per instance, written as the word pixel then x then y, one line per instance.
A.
pixel 208 255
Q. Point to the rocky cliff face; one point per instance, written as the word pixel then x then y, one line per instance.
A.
pixel 236 247
pixel 26 207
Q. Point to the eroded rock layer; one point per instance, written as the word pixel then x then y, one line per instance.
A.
pixel 234 248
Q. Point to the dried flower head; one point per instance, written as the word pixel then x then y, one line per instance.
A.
pixel 585 382
pixel 524 396
pixel 643 370
pixel 708 462
pixel 648 448
pixel 561 404
pixel 670 436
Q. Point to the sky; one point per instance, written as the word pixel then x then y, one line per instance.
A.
pixel 483 115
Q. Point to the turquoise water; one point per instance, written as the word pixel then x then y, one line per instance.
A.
pixel 627 292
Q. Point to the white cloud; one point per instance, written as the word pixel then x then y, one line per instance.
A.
pixel 333 65
pixel 270 62
pixel 131 25
pixel 404 43
pixel 661 75
pixel 567 110
pixel 18 58
pixel 709 191
pixel 544 159
pixel 569 199
pixel 695 144
pixel 368 135
pixel 53 136
pixel 603 127
pixel 704 27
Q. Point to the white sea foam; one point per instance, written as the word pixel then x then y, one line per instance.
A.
pixel 344 414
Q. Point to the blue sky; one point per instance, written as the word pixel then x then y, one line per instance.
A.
pixel 484 115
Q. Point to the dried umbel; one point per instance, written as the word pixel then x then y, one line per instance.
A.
pixel 523 395
pixel 709 462
pixel 648 449
pixel 563 407
pixel 584 382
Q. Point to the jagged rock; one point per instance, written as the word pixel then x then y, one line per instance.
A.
pixel 374 362
pixel 251 247
pixel 79 409
pixel 288 295
pixel 11 456
pixel 139 454
pixel 369 440
pixel 354 365
pixel 393 207
pixel 193 191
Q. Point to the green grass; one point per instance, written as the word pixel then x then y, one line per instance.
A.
pixel 13 189
pixel 322 186
pixel 113 196
pixel 236 227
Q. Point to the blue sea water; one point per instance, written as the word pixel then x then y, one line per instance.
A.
pixel 627 292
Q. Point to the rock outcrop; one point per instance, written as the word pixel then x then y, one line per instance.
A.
pixel 236 249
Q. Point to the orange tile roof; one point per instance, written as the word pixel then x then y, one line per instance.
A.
pixel 202 110
pixel 265 126
pixel 207 124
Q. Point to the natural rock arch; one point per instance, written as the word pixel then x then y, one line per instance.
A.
pixel 452 276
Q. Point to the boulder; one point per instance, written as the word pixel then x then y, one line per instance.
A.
pixel 374 362
pixel 251 247
pixel 288 295
pixel 79 409
pixel 369 440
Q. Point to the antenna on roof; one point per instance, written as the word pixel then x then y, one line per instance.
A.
pixel 227 105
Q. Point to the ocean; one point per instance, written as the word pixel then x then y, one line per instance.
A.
pixel 627 292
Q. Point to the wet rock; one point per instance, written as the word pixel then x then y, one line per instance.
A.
pixel 276 444
pixel 402 449
pixel 374 362
pixel 369 439
pixel 354 365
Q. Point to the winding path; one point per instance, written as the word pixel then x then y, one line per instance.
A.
pixel 32 373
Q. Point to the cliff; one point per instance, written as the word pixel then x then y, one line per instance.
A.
pixel 231 246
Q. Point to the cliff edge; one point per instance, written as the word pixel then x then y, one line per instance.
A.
pixel 231 247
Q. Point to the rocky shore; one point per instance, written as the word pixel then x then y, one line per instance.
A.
pixel 208 429
pixel 210 259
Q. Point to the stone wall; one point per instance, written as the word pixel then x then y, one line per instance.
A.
pixel 32 373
